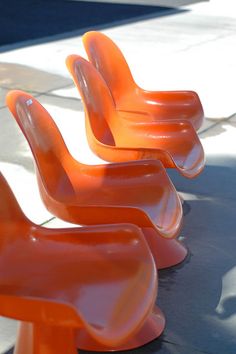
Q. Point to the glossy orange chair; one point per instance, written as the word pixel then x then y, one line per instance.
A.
pixel 108 59
pixel 115 138
pixel 138 192
pixel 64 284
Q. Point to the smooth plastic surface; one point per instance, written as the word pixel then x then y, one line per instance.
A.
pixel 114 137
pixel 149 332
pixel 100 280
pixel 108 59
pixel 138 192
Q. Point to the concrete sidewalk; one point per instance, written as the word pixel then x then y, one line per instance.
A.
pixel 192 49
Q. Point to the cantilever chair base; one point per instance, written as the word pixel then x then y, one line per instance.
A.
pixel 151 330
pixel 29 334
pixel 166 252
pixel 37 338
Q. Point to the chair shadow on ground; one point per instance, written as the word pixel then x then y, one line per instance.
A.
pixel 199 295
pixel 228 307
pixel 10 351
pixel 62 17
pixel 219 125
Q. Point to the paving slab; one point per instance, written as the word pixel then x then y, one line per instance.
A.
pixel 67 92
pixel 22 77
pixel 17 165
pixel 207 123
pixel 14 147
pixel 7 334
pixel 24 186
pixel 3 93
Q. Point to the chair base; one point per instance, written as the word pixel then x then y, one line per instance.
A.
pixel 43 339
pixel 40 338
pixel 151 330
pixel 166 252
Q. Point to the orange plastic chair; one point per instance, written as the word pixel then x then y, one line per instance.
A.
pixel 138 192
pixel 108 59
pixel 98 281
pixel 115 138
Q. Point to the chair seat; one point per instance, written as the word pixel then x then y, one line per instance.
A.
pixel 141 188
pixel 145 106
pixel 178 144
pixel 94 276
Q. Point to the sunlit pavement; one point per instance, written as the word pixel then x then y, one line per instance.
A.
pixel 191 49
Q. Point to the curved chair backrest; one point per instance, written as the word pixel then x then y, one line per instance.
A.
pixel 98 102
pixel 108 59
pixel 47 145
